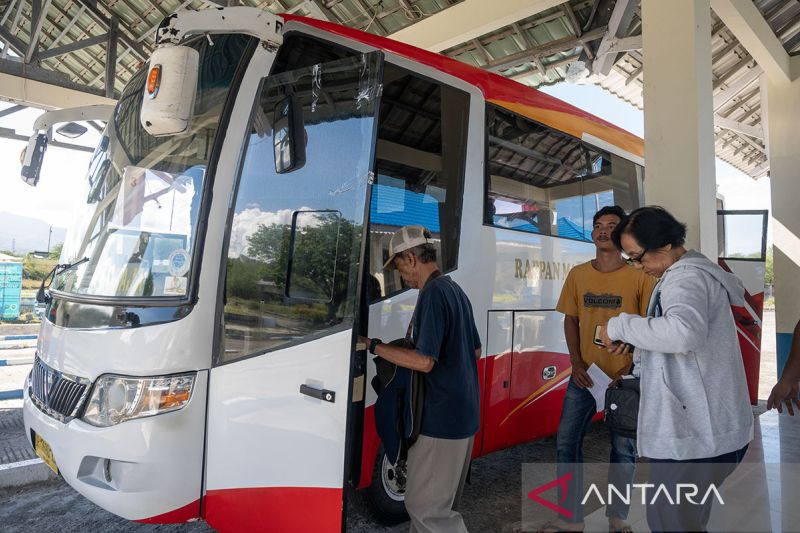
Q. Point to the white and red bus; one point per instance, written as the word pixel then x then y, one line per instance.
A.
pixel 199 358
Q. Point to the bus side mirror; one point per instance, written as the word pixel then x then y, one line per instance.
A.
pixel 169 91
pixel 41 295
pixel 288 137
pixel 32 157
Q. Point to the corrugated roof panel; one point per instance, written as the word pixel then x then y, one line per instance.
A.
pixel 70 21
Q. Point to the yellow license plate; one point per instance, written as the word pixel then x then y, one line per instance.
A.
pixel 44 451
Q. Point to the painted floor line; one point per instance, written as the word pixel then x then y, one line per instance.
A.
pixel 20 464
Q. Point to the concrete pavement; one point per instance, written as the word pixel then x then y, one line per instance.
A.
pixel 53 506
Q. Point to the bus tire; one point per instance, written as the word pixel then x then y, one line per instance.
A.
pixel 385 495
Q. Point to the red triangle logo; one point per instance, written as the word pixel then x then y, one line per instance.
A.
pixel 560 482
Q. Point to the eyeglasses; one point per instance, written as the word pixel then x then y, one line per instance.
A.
pixel 634 260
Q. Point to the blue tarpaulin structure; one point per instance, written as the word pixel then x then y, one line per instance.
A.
pixel 392 206
pixel 10 286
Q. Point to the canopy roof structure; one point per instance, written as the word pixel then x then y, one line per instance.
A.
pixel 94 46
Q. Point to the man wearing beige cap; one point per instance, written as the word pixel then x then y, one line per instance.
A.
pixel 446 347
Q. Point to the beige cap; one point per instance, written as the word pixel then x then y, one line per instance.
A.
pixel 404 239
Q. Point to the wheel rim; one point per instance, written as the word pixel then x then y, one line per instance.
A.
pixel 389 480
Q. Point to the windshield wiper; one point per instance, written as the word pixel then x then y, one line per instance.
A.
pixel 42 295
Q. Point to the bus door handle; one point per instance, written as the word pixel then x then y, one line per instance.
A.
pixel 320 394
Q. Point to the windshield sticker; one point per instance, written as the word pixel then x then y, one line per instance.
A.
pixel 175 285
pixel 156 201
pixel 178 262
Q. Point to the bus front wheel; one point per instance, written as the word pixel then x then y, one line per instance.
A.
pixel 387 492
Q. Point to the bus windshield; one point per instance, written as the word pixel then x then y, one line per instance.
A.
pixel 137 230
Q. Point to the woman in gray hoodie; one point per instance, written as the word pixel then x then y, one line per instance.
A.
pixel 695 418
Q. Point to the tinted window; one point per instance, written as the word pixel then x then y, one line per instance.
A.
pixel 540 180
pixel 295 241
pixel 531 168
pixel 420 170
pixel 612 181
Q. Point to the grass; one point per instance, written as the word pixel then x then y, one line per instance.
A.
pixel 31 284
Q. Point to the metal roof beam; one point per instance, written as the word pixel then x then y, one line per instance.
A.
pixel 130 43
pixel 36 73
pixel 748 25
pixel 111 57
pixel 71 47
pixel 68 27
pixel 468 20
pixel 618 24
pixel 42 88
pixel 746 129
pixel 726 95
pixel 17 15
pixel 624 44
pixel 38 16
pixel 546 49
pixel 9 9
pixel 14 42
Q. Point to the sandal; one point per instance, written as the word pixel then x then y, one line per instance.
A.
pixel 624 529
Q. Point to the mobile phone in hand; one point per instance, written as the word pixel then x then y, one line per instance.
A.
pixel 596 340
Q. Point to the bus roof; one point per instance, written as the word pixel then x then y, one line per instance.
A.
pixel 497 89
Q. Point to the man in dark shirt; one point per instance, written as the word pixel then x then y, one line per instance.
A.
pixel 447 346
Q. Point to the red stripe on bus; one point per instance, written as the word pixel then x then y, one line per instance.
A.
pixel 285 509
pixel 755 301
pixel 369 448
pixel 176 516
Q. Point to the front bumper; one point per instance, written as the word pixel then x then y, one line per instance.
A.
pixel 138 469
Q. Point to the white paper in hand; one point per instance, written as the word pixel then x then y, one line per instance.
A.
pixel 600 383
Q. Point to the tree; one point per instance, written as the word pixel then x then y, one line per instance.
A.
pixel 55 251
pixel 321 263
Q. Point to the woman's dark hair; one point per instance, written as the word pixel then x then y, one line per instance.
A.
pixel 615 210
pixel 652 227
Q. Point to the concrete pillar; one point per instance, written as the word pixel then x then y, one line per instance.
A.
pixel 780 112
pixel 679 116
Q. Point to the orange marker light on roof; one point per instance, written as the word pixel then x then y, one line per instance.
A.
pixel 153 81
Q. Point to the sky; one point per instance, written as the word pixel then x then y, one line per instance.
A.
pixel 61 183
pixel 62 180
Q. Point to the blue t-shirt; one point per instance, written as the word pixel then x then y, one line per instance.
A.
pixel 444 328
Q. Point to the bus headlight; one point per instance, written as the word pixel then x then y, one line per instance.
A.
pixel 115 399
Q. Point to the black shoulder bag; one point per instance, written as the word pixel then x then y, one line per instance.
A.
pixel 622 407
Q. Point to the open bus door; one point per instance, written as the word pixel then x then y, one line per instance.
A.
pixel 288 382
pixel 742 243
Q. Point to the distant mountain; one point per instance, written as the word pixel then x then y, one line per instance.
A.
pixel 25 234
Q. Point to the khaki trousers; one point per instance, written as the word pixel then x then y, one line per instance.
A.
pixel 436 472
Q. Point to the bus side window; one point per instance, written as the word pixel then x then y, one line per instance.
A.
pixel 612 180
pixel 534 177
